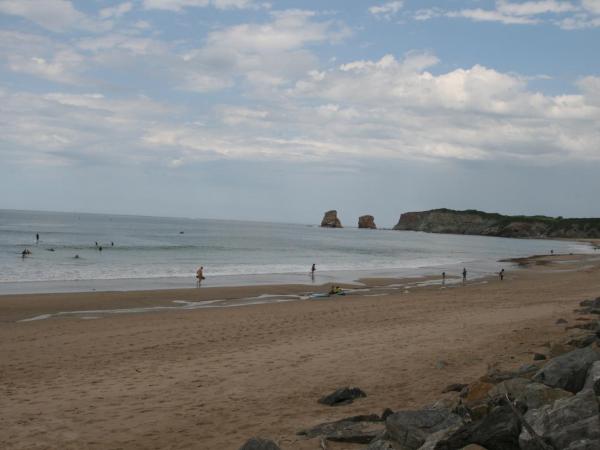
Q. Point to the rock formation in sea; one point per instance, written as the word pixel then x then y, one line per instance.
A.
pixel 367 222
pixel 491 224
pixel 330 220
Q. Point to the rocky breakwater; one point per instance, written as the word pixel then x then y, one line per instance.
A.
pixel 330 220
pixel 491 224
pixel 551 404
pixel 367 222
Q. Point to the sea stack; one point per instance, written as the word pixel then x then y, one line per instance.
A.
pixel 330 220
pixel 367 222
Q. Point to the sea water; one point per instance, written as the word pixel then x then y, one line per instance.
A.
pixel 157 252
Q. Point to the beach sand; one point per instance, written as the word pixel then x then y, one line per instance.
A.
pixel 211 378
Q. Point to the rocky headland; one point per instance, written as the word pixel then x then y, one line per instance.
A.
pixel 491 224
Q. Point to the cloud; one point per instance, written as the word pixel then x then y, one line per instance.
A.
pixel 565 14
pixel 180 5
pixel 116 11
pixel 41 57
pixel 592 6
pixel 57 15
pixel 59 128
pixel 484 15
pixel 386 10
pixel 267 54
pixel 532 8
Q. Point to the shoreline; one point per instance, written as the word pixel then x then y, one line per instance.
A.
pixel 213 377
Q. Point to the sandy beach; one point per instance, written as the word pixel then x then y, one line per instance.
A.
pixel 210 378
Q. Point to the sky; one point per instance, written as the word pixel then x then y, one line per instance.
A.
pixel 281 110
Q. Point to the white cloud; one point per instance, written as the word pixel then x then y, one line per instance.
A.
pixel 180 5
pixel 592 6
pixel 531 8
pixel 485 15
pixel 268 54
pixel 61 68
pixel 56 15
pixel 116 11
pixel 428 13
pixel 386 10
pixel 565 14
pixel 61 128
pixel 41 57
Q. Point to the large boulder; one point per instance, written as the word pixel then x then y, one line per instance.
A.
pixel 532 395
pixel 259 444
pixel 367 222
pixel 330 220
pixel 593 378
pixel 564 422
pixel 356 429
pixel 568 371
pixel 498 430
pixel 584 444
pixel 411 428
pixel 342 396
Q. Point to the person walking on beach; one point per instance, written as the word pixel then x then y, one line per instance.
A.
pixel 312 271
pixel 464 274
pixel 501 274
pixel 200 274
pixel 443 278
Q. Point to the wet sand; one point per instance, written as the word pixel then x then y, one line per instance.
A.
pixel 209 378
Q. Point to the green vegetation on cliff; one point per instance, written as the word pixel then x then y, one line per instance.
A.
pixel 493 224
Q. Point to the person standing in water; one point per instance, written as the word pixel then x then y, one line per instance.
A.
pixel 37 237
pixel 464 274
pixel 312 271
pixel 200 274
pixel 443 278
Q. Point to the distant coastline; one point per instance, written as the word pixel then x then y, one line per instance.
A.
pixel 476 222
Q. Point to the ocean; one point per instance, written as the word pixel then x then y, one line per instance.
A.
pixel 141 252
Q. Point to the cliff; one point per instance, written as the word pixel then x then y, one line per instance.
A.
pixel 491 224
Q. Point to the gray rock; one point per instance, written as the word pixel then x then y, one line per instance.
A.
pixel 383 444
pixel 561 321
pixel 496 376
pixel 592 325
pixel 533 395
pixel 356 429
pixel 499 430
pixel 568 371
pixel 583 341
pixel 455 387
pixel 593 378
pixel 259 444
pixel 330 220
pixel 564 422
pixel 584 444
pixel 435 438
pixel 590 303
pixel 342 396
pixel 411 428
pixel 539 357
